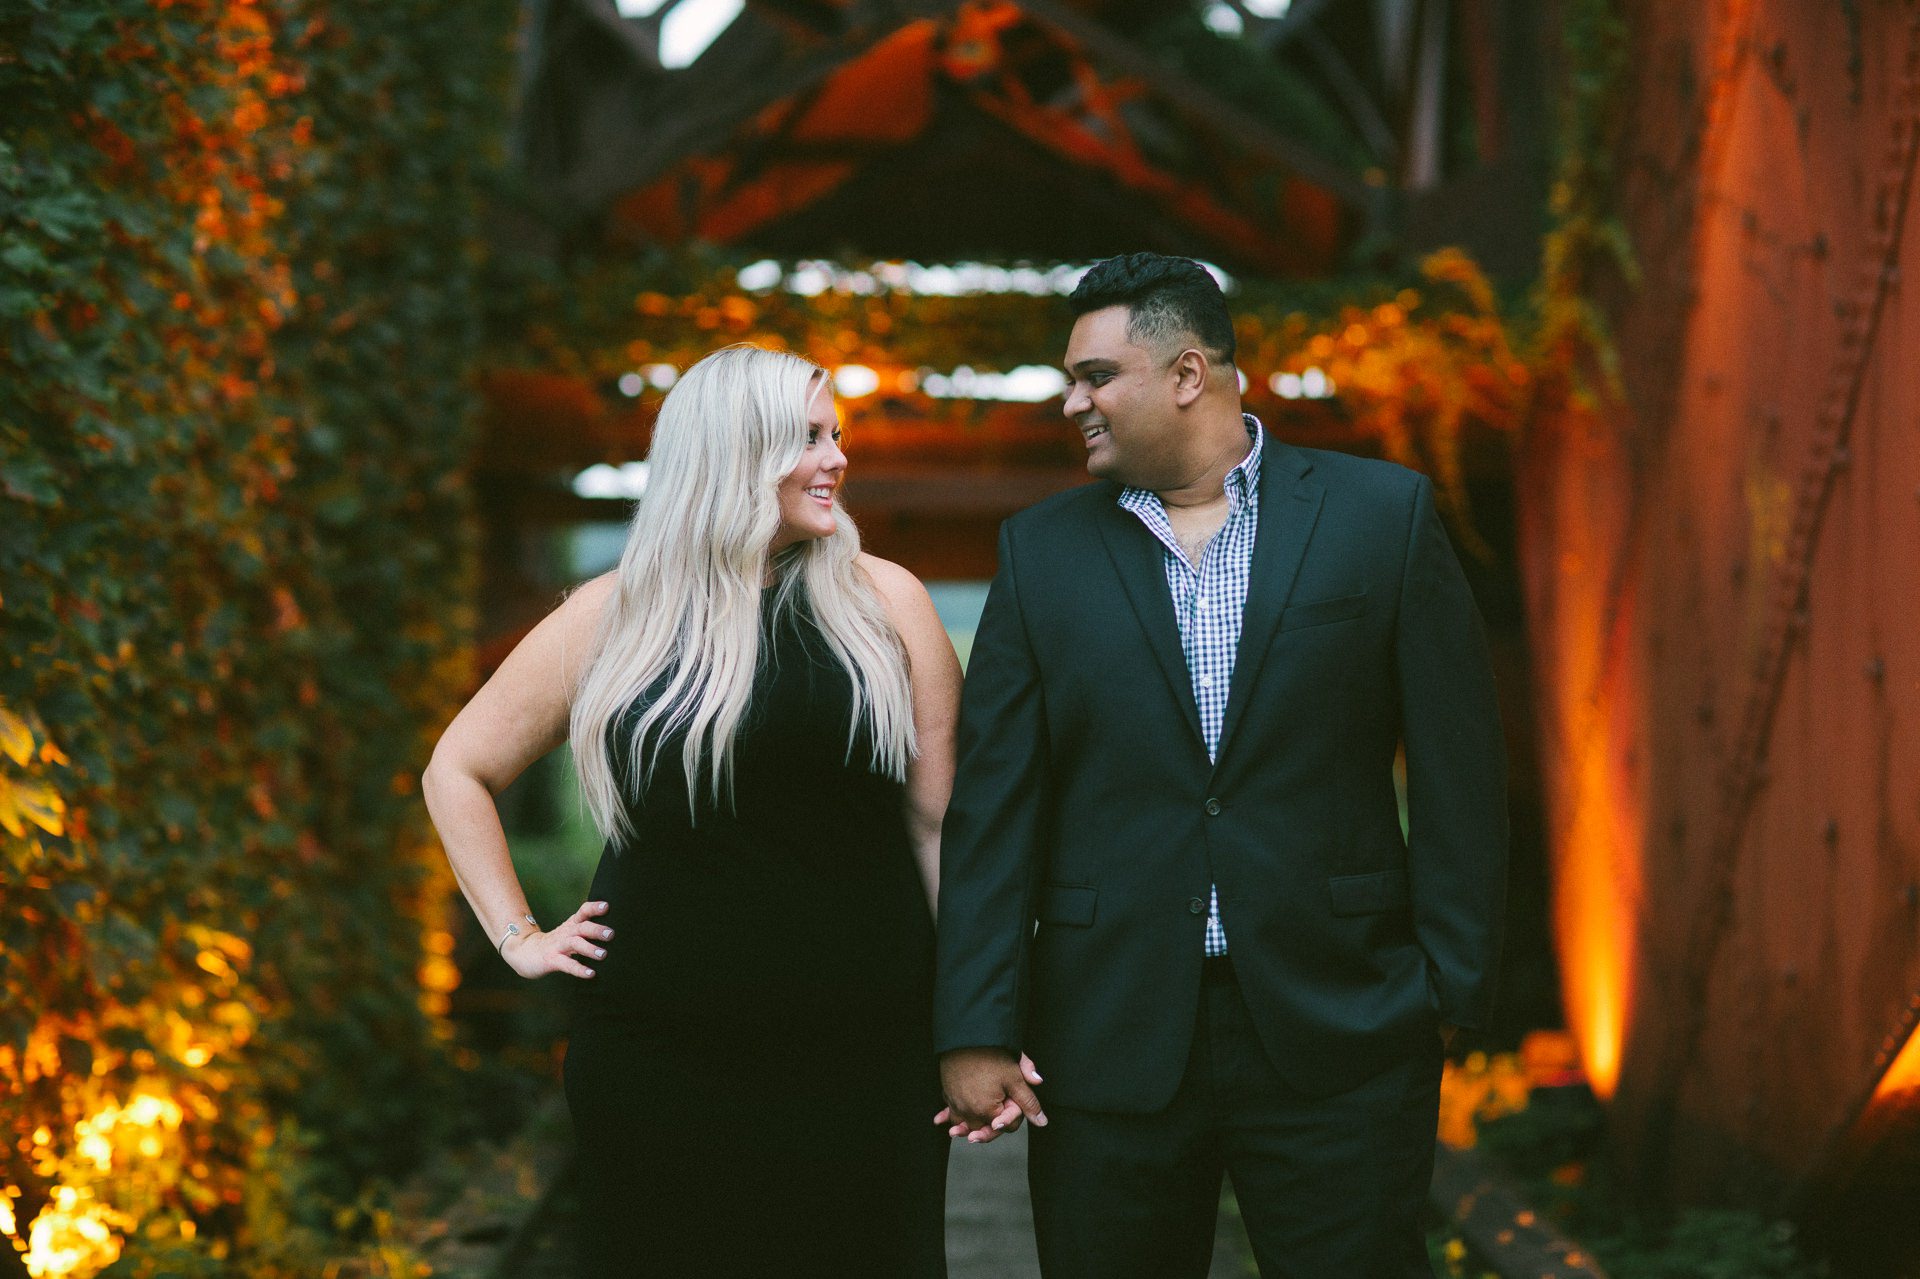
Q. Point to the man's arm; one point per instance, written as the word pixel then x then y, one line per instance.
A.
pixel 989 850
pixel 1456 771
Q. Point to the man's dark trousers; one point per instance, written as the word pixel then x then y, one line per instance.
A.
pixel 1328 1187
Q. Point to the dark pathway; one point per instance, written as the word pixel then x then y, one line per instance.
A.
pixel 990 1219
pixel 989 1223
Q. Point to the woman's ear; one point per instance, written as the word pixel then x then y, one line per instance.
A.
pixel 1190 374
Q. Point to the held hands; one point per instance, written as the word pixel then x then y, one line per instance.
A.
pixel 538 953
pixel 988 1093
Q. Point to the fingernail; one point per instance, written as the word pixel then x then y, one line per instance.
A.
pixel 599 953
pixel 998 1125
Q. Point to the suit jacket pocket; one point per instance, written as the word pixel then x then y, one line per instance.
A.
pixel 1321 612
pixel 1374 893
pixel 1070 904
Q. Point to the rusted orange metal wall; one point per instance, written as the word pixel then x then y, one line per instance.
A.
pixel 1723 584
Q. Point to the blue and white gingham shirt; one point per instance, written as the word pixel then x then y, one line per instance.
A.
pixel 1208 600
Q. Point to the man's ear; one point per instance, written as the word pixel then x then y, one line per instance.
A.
pixel 1191 373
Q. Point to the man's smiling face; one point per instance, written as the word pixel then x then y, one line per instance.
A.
pixel 1121 396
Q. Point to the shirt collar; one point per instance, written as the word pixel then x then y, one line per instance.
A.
pixel 1244 479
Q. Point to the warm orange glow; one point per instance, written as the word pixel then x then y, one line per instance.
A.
pixel 1596 884
pixel 1598 825
pixel 1903 1077
pixel 77 1233
pixel 74 1234
pixel 1551 1059
pixel 1479 1089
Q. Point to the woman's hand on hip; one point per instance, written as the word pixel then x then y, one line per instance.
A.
pixel 541 952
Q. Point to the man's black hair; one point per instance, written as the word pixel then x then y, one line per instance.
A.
pixel 1169 300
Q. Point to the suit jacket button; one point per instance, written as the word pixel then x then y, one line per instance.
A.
pixel 1213 808
pixel 1195 906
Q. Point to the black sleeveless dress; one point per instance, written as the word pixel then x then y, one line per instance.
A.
pixel 750 1070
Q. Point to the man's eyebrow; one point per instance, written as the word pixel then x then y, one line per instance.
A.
pixel 1093 362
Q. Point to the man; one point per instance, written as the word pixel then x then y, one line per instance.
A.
pixel 1173 867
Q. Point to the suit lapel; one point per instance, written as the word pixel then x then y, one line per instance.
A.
pixel 1137 559
pixel 1289 507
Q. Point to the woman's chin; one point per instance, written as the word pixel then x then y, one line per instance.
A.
pixel 792 533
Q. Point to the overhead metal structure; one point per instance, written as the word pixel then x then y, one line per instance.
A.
pixel 1270 137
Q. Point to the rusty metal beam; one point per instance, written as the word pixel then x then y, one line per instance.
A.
pixel 605 16
pixel 703 111
pixel 1194 99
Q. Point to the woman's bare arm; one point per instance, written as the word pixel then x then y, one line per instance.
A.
pixel 935 674
pixel 517 716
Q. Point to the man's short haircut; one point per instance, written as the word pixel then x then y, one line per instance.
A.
pixel 1170 301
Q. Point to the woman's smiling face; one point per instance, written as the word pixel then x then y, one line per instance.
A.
pixel 807 493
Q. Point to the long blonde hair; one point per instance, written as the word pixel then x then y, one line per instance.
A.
pixel 686 607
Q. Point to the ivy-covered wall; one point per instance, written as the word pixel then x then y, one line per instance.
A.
pixel 238 305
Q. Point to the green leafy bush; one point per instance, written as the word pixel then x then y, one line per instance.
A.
pixel 237 312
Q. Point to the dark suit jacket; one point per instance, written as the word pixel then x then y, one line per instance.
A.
pixel 1087 823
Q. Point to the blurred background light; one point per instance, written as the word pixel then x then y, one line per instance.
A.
pixel 602 480
pixel 855 380
pixel 1030 384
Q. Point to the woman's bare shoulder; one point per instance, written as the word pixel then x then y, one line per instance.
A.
pixel 576 622
pixel 907 602
pixel 592 596
pixel 895 584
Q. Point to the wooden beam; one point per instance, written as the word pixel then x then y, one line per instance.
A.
pixel 1116 51
pixel 1272 33
pixel 704 111
pixel 1426 115
pixel 608 18
pixel 1351 93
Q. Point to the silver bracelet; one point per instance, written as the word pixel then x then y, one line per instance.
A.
pixel 513 930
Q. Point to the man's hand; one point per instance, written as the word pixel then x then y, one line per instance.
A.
pixel 988 1093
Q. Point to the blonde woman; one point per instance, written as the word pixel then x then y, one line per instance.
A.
pixel 762 718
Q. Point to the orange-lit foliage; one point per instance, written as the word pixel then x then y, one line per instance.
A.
pixel 1485 1086
pixel 231 549
pixel 1416 371
pixel 1415 368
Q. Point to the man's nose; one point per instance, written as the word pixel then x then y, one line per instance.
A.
pixel 1076 402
